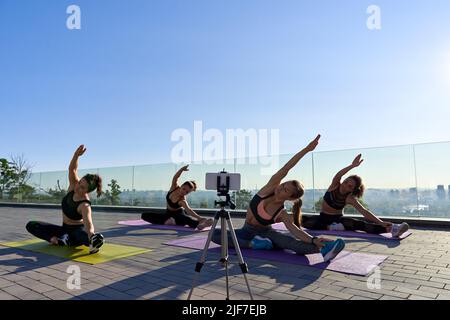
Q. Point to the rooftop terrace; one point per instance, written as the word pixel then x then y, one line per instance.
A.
pixel 416 268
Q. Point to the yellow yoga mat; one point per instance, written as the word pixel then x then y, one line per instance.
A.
pixel 107 252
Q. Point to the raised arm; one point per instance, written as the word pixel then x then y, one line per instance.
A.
pixel 177 176
pixel 73 167
pixel 282 173
pixel 337 178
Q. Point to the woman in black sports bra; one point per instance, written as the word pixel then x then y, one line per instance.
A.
pixel 267 208
pixel 177 205
pixel 338 196
pixel 77 228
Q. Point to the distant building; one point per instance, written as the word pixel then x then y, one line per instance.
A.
pixel 394 193
pixel 448 191
pixel 440 192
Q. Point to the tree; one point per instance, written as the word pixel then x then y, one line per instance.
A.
pixel 243 198
pixel 14 177
pixel 57 193
pixel 6 176
pixel 112 195
pixel 22 169
pixel 22 192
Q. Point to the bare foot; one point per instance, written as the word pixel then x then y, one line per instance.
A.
pixel 204 224
pixel 170 222
pixel 54 241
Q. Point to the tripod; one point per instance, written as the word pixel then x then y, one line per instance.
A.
pixel 225 221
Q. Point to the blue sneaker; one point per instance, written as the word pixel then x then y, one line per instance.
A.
pixel 332 249
pixel 260 243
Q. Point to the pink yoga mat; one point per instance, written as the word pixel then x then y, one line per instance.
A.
pixel 349 234
pixel 346 262
pixel 137 223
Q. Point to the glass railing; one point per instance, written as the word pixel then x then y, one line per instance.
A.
pixel 410 181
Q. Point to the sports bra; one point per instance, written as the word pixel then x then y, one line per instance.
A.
pixel 335 199
pixel 69 206
pixel 260 214
pixel 171 204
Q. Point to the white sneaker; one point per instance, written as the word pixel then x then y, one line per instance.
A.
pixel 64 240
pixel 336 227
pixel 95 243
pixel 399 229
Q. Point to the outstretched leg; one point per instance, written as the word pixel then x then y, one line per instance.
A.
pixel 183 219
pixel 286 241
pixel 45 231
pixel 243 235
pixel 360 225
pixel 155 217
pixel 314 222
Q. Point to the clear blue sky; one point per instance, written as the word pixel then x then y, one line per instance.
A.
pixel 137 70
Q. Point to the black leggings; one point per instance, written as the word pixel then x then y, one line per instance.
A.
pixel 46 231
pixel 322 221
pixel 180 217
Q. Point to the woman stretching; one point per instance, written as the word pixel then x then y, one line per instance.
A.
pixel 338 196
pixel 77 228
pixel 267 208
pixel 177 205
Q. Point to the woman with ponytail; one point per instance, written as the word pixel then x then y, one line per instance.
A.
pixel 267 208
pixel 77 228
pixel 177 206
pixel 338 196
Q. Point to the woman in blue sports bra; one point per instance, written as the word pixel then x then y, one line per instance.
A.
pixel 77 228
pixel 267 208
pixel 177 205
pixel 346 193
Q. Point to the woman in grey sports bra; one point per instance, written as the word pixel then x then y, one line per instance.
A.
pixel 267 208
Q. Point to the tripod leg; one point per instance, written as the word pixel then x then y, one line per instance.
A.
pixel 200 264
pixel 242 264
pixel 225 257
pixel 224 240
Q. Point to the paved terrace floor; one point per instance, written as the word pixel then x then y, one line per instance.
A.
pixel 418 268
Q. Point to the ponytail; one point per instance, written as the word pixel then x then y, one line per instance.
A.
pixel 296 210
pixel 99 186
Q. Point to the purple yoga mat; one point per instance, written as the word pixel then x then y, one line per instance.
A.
pixel 136 223
pixel 346 262
pixel 349 234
